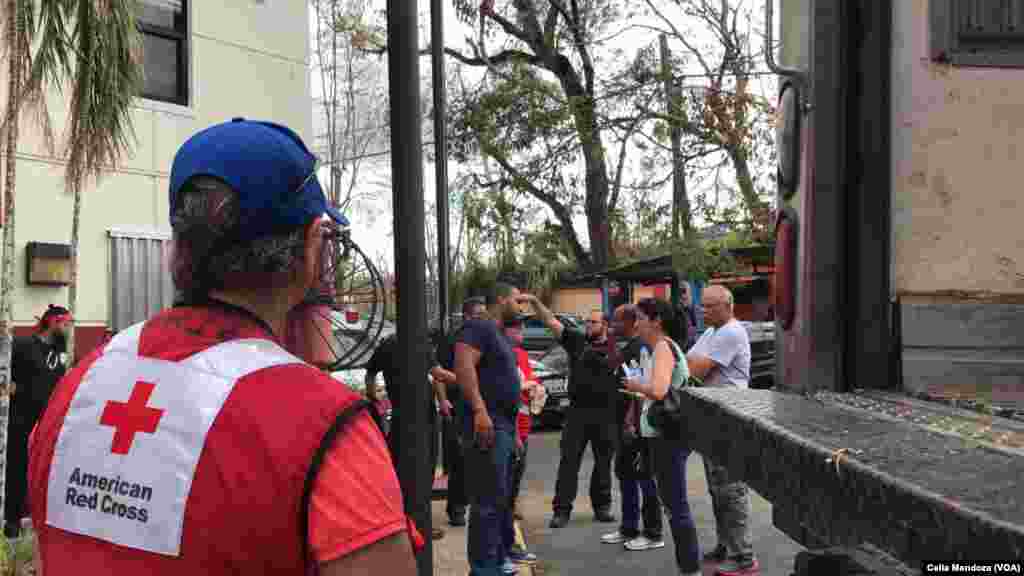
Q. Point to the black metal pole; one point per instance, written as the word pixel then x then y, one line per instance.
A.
pixel 415 469
pixel 440 157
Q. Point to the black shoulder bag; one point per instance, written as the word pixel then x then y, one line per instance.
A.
pixel 666 415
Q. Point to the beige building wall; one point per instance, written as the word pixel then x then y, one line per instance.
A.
pixel 958 142
pixel 581 301
pixel 578 301
pixel 246 59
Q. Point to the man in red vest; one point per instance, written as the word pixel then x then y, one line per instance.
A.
pixel 193 443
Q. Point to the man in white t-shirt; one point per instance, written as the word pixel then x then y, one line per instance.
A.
pixel 721 358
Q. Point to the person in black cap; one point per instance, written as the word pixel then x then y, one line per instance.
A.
pixel 37 363
pixel 194 443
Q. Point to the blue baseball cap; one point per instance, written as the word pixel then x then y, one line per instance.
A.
pixel 267 165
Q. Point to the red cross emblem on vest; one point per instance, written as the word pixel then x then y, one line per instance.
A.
pixel 130 418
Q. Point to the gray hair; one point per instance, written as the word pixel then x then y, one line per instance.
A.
pixel 205 219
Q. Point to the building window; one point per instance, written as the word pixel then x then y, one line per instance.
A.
pixel 163 24
pixel 977 32
pixel 140 282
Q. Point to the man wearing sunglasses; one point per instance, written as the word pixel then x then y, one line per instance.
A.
pixel 591 419
pixel 193 443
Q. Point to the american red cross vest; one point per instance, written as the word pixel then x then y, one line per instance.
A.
pixel 180 448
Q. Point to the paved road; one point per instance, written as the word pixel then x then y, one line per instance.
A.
pixel 576 550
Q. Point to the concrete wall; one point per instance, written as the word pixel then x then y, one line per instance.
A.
pixel 247 59
pixel 958 243
pixel 956 192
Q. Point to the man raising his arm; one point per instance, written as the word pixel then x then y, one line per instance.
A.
pixel 593 391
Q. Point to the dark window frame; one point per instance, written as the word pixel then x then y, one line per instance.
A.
pixel 181 37
pixel 947 42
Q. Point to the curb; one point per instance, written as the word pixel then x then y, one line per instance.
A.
pixel 526 569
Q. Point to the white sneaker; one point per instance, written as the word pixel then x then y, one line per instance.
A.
pixel 641 543
pixel 614 538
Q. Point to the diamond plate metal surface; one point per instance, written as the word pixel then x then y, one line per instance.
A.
pixel 852 475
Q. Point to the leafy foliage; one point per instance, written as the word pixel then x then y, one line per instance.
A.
pixel 538 113
pixel 473 281
pixel 582 127
pixel 93 51
pixel 697 260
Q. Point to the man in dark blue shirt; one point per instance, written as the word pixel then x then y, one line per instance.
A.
pixel 488 377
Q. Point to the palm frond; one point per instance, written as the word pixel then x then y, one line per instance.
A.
pixel 91 49
pixel 15 50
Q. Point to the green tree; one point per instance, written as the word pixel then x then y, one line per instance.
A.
pixel 90 52
pixel 563 111
pixel 534 127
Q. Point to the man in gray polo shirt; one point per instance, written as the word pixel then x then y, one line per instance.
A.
pixel 721 358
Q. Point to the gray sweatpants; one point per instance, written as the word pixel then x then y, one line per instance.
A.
pixel 730 502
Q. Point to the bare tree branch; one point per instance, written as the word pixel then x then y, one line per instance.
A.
pixel 505 56
pixel 559 209
pixel 580 44
pixel 681 37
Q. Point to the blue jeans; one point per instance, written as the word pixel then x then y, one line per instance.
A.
pixel 670 468
pixel 515 472
pixel 489 497
pixel 634 467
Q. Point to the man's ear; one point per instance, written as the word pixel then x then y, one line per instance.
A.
pixel 312 252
